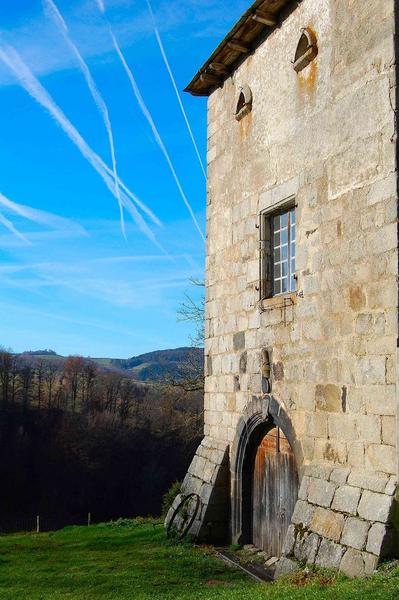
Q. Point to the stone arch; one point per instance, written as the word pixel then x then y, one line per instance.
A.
pixel 306 50
pixel 260 414
pixel 244 102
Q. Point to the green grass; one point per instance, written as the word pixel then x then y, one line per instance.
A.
pixel 134 561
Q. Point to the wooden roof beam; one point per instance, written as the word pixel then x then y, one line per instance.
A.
pixel 238 46
pixel 265 18
pixel 210 78
pixel 219 68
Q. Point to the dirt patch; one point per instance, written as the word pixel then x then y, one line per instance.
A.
pixel 216 583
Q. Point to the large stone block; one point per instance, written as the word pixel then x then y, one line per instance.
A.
pixel 346 499
pixel 327 523
pixel 289 541
pixel 339 475
pixel 306 547
pixel 303 513
pixel 381 458
pixel 375 507
pixel 370 563
pixel 355 533
pixel 370 370
pixel 352 563
pixel 328 398
pixel 381 541
pixel 368 481
pixel 319 471
pixel 321 492
pixel 342 427
pixel 304 487
pixel 329 555
pixel 239 341
pixel 285 566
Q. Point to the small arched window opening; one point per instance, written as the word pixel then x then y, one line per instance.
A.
pixel 266 372
pixel 306 50
pixel 244 102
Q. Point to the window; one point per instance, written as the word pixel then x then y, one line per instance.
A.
pixel 244 102
pixel 284 252
pixel 278 251
pixel 306 50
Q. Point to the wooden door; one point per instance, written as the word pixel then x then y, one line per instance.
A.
pixel 274 492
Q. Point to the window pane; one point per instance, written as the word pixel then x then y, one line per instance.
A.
pixel 284 219
pixel 283 252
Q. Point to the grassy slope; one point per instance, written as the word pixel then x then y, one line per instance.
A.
pixel 137 563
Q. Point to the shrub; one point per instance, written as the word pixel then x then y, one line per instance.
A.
pixel 168 498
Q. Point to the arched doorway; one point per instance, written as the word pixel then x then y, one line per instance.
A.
pixel 265 458
pixel 274 491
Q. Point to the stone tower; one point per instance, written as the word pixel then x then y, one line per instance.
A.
pixel 300 454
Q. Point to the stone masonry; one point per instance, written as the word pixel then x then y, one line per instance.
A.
pixel 325 139
pixel 342 519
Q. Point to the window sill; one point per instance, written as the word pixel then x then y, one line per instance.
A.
pixel 280 301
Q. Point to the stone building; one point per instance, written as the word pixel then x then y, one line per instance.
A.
pixel 300 449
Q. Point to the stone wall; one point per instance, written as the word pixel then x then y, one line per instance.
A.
pixel 342 519
pixel 325 136
pixel 208 478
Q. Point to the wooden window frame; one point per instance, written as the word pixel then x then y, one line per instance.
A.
pixel 266 249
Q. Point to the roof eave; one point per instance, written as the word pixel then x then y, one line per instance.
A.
pixel 257 22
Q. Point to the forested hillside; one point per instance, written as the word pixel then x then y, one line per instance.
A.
pixel 75 438
pixel 152 366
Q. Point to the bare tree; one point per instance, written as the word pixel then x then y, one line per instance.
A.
pixel 50 377
pixel 89 375
pixel 112 384
pixel 27 375
pixel 192 310
pixel 72 370
pixel 40 370
pixel 190 376
pixel 5 371
pixel 14 378
pixel 128 394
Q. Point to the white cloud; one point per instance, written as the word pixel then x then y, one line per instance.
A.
pixel 39 43
pixel 40 217
pixel 36 90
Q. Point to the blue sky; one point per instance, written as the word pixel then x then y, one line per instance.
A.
pixel 69 280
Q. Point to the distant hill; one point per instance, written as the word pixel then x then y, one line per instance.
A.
pixel 155 365
pixel 145 367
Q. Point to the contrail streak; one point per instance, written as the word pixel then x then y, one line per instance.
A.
pixel 35 89
pixel 53 11
pixel 101 5
pixel 169 69
pixel 157 136
pixel 41 217
pixel 4 221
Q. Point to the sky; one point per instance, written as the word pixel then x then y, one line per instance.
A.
pixel 87 106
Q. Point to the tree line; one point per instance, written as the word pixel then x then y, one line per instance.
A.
pixel 75 384
pixel 77 439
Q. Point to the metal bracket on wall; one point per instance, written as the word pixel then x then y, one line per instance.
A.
pixel 276 303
